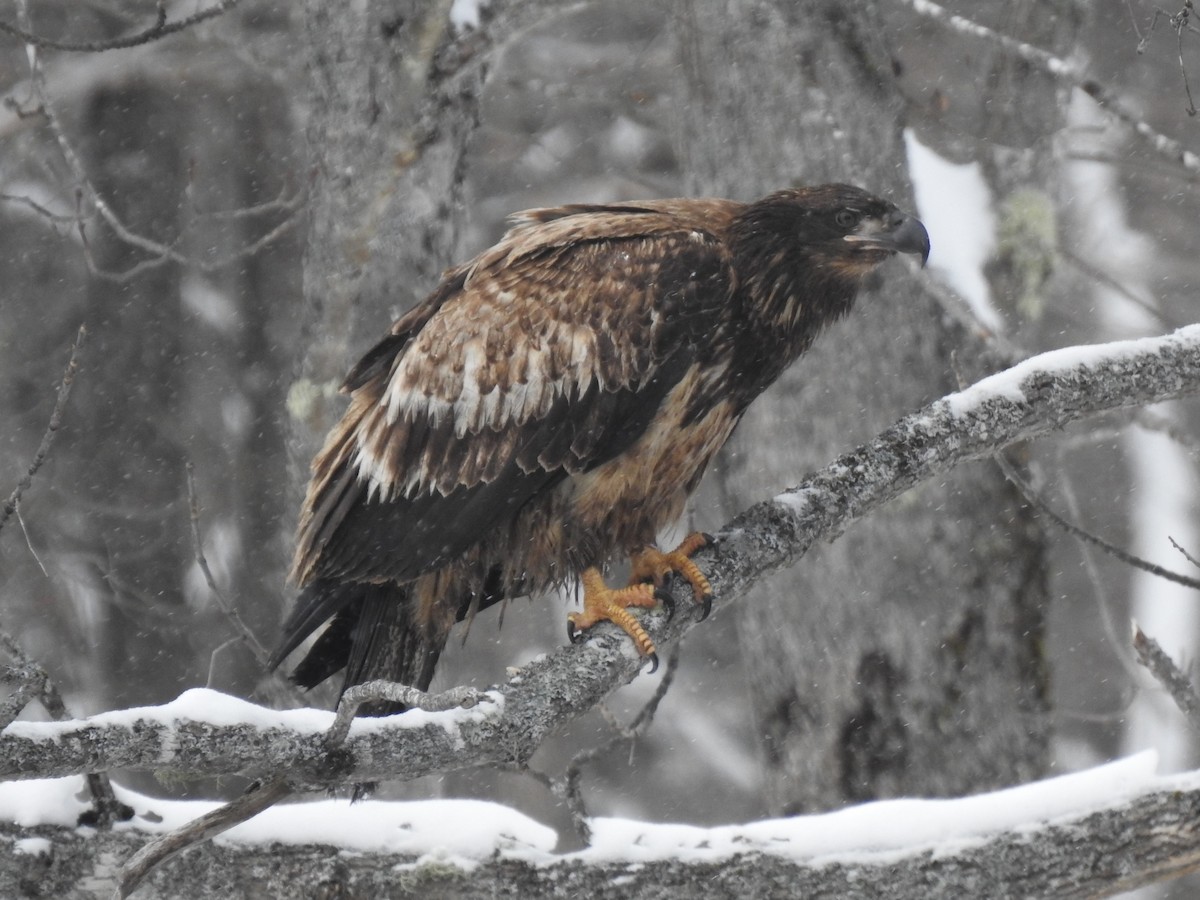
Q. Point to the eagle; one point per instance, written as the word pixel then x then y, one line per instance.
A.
pixel 547 410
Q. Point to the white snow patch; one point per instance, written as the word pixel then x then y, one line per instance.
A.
pixel 33 846
pixel 464 832
pixel 460 832
pixel 887 830
pixel 956 206
pixel 221 710
pixel 465 14
pixel 796 501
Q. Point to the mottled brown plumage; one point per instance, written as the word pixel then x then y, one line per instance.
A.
pixel 551 405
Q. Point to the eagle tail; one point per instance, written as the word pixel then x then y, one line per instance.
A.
pixel 372 636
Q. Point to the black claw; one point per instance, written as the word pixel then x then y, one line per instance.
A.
pixel 667 601
pixel 574 635
pixel 653 663
pixel 709 540
pixel 705 606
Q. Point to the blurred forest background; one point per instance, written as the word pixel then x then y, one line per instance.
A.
pixel 204 351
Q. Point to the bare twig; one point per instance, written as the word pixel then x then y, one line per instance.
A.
pixel 43 211
pixel 1109 617
pixel 571 789
pixel 1101 277
pixel 1174 543
pixel 391 692
pixel 160 29
pixel 158 253
pixel 256 798
pixel 1180 22
pixel 1068 73
pixel 1169 675
pixel 56 417
pixel 239 624
pixel 1034 499
pixel 29 542
pixel 212 658
pixel 34 683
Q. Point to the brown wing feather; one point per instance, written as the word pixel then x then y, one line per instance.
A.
pixel 544 356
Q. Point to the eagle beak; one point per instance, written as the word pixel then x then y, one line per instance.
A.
pixel 910 236
pixel 899 233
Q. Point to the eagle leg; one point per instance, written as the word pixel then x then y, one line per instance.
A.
pixel 604 604
pixel 654 566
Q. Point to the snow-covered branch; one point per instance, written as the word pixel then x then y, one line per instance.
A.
pixel 1093 833
pixel 204 734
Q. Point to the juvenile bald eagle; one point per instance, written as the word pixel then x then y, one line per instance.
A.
pixel 550 407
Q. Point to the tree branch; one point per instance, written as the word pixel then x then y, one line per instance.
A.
pixel 56 417
pixel 160 29
pixel 1067 73
pixel 1169 675
pixel 1036 397
pixel 1092 834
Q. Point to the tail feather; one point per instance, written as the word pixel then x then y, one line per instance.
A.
pixel 372 636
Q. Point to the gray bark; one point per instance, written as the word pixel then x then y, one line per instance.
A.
pixel 913 662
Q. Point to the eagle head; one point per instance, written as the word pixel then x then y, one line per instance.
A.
pixel 839 226
pixel 800 256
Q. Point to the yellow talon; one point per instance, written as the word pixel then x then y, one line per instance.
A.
pixel 604 604
pixel 652 565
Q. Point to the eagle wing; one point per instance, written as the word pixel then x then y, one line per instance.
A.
pixel 547 355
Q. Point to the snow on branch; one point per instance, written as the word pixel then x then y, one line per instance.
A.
pixel 1092 833
pixel 204 733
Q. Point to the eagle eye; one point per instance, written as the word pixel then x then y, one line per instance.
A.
pixel 846 218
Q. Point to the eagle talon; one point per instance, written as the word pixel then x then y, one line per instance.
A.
pixel 574 635
pixel 667 601
pixel 705 606
pixel 653 657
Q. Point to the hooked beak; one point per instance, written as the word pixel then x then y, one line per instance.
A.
pixel 899 234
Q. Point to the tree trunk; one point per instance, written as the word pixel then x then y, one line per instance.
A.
pixel 906 657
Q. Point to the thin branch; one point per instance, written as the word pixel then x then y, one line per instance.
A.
pixel 1104 602
pixel 235 619
pixel 158 253
pixel 1101 277
pixel 1180 22
pixel 256 798
pixel 1067 73
pixel 212 658
pixel 43 211
pixel 160 29
pixel 571 789
pixel 1174 543
pixel 1169 675
pixel 391 692
pixel 1034 499
pixel 56 418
